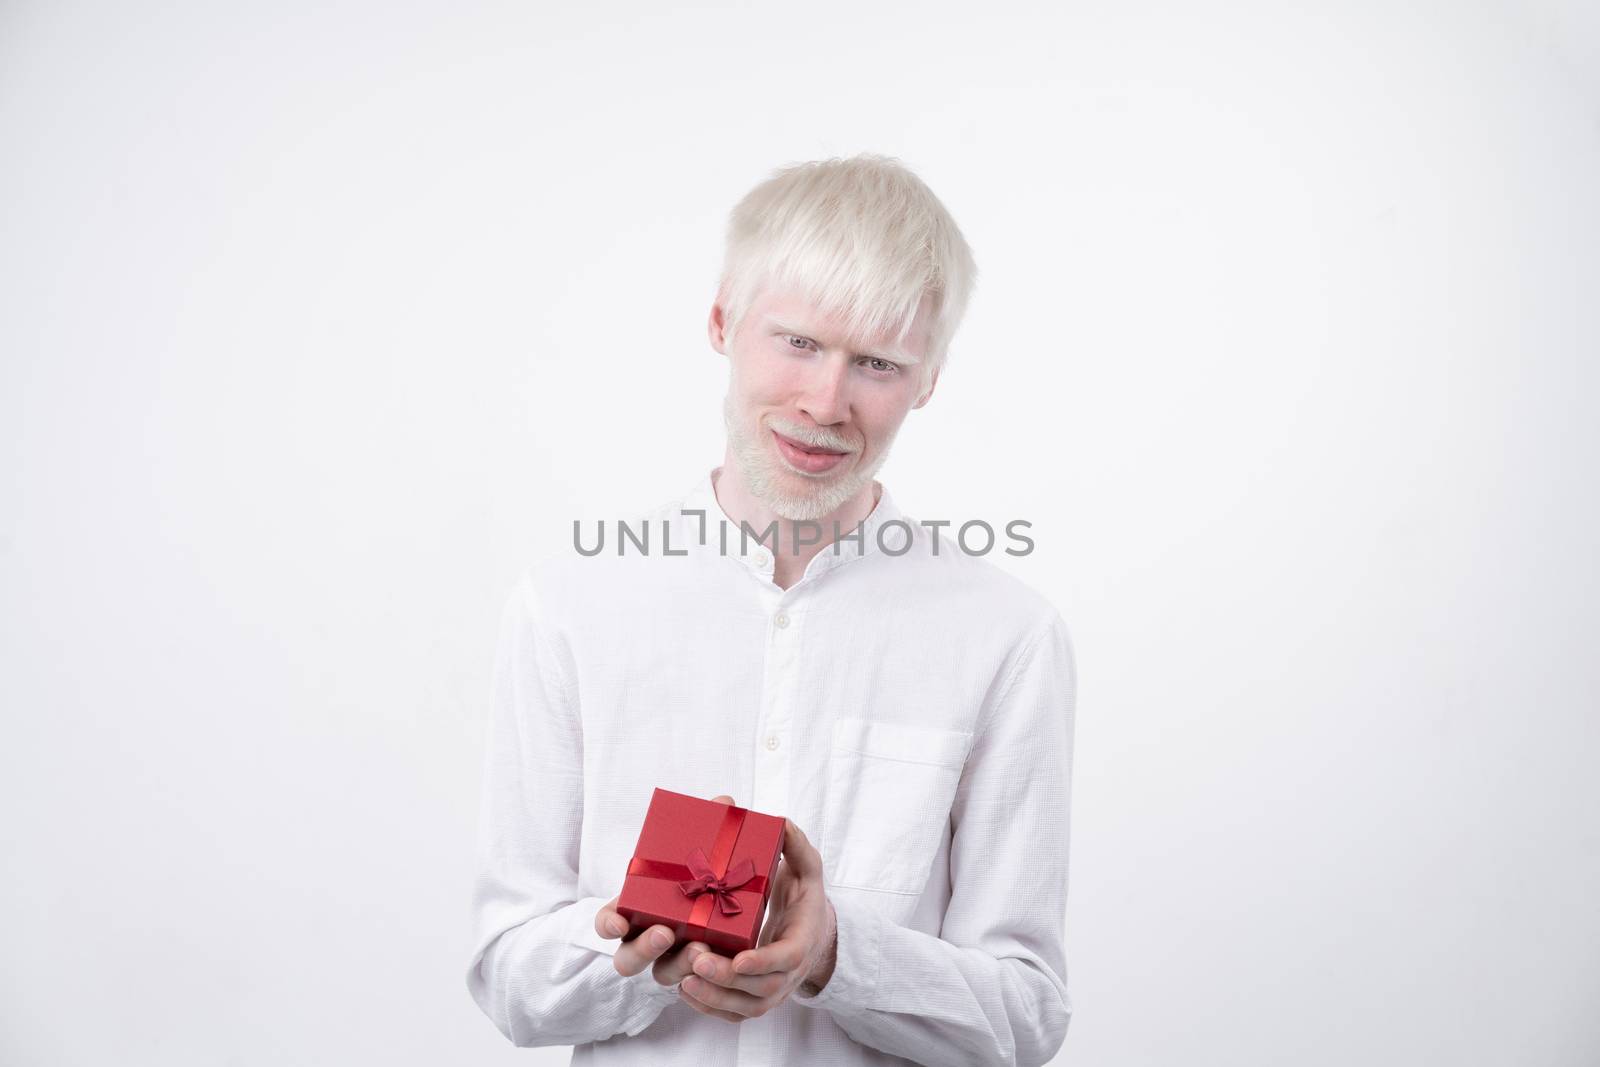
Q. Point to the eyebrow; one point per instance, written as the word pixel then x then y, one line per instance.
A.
pixel 899 357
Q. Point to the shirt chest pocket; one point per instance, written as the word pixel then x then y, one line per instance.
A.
pixel 890 787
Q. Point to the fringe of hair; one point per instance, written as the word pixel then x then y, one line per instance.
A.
pixel 861 238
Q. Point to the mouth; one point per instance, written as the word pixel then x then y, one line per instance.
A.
pixel 805 458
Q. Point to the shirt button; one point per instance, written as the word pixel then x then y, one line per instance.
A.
pixel 782 620
pixel 762 559
pixel 772 741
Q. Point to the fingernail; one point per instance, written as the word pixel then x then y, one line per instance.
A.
pixel 703 967
pixel 661 939
pixel 618 927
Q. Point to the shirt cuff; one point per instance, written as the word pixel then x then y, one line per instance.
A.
pixel 851 987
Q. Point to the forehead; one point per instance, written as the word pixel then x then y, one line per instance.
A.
pixel 790 310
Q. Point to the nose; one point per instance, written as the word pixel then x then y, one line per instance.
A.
pixel 827 391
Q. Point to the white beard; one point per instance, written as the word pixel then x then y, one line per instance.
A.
pixel 770 484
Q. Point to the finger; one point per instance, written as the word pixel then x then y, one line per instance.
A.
pixel 706 1009
pixel 607 923
pixel 727 1001
pixel 719 971
pixel 671 968
pixel 802 856
pixel 722 798
pixel 634 956
pixel 779 955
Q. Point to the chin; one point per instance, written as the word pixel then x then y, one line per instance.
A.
pixel 801 497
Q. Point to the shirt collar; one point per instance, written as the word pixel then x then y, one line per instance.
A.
pixel 758 557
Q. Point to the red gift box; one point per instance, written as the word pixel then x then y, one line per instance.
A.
pixel 704 869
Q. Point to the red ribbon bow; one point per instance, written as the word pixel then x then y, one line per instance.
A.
pixel 705 880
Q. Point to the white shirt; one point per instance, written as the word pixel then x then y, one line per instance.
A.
pixel 912 713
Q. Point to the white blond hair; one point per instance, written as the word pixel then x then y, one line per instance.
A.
pixel 860 238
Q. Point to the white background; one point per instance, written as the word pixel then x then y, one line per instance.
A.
pixel 318 321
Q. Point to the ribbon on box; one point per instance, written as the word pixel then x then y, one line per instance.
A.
pixel 707 878
pixel 706 881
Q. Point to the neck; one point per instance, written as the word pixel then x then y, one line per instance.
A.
pixel 789 556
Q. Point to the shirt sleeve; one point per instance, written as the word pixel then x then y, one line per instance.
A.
pixel 991 988
pixel 539 970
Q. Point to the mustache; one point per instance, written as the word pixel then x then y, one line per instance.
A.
pixel 810 438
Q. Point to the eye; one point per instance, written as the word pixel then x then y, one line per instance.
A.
pixel 882 366
pixel 803 341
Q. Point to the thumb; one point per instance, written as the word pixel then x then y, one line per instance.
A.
pixel 799 853
pixel 722 798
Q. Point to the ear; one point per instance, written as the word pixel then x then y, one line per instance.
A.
pixel 716 327
pixel 923 399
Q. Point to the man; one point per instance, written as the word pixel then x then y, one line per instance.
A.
pixel 909 702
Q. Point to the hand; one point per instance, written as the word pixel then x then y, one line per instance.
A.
pixel 796 944
pixel 653 946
